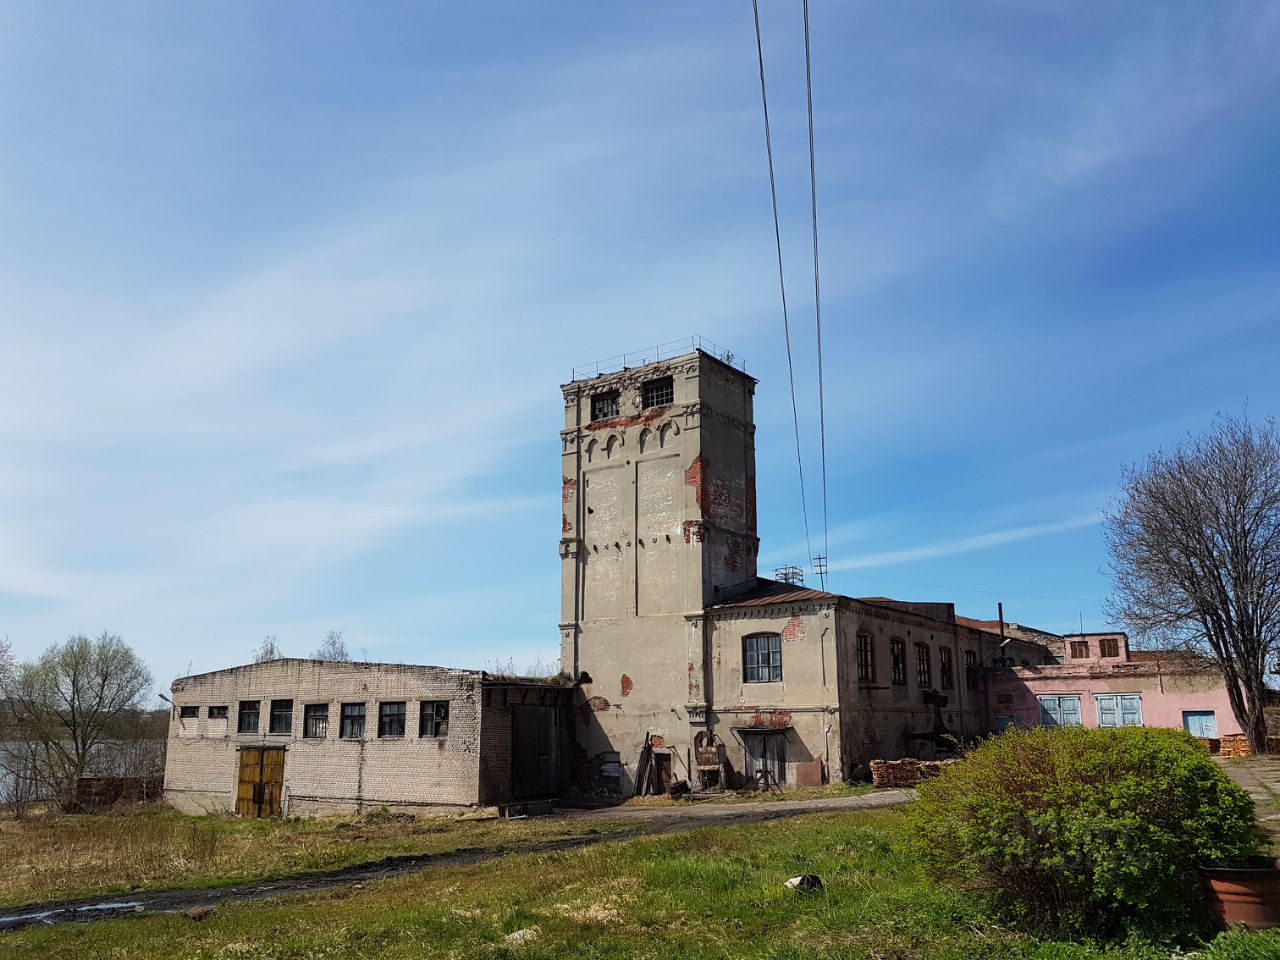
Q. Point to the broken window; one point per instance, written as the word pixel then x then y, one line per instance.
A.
pixel 898 660
pixel 281 716
pixel 1079 649
pixel 924 668
pixel 188 713
pixel 604 406
pixel 762 658
pixel 249 716
pixel 946 673
pixel 659 393
pixel 1109 647
pixel 315 721
pixel 391 719
pixel 433 720
pixel 971 670
pixel 352 724
pixel 217 713
pixel 866 658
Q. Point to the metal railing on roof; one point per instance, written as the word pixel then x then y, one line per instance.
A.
pixel 663 351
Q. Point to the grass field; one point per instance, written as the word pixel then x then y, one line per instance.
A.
pixel 712 893
pixel 51 857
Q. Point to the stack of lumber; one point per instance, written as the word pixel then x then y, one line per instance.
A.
pixel 1237 746
pixel 904 773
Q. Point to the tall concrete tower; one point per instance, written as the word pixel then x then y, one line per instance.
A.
pixel 659 492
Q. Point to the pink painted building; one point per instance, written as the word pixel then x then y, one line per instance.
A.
pixel 1099 682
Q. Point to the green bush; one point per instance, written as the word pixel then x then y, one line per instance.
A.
pixel 1086 832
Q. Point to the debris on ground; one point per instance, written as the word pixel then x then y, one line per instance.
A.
pixel 805 882
pixel 526 935
pixel 198 912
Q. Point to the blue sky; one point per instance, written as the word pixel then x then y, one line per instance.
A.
pixel 287 292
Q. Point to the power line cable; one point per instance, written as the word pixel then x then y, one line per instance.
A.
pixel 782 285
pixel 817 287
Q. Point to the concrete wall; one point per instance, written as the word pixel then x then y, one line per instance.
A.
pixel 658 523
pixel 329 774
pixel 804 703
pixel 1167 690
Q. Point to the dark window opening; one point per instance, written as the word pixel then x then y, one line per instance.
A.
pixel 946 675
pixel 866 658
pixel 924 668
pixel 898 660
pixel 659 393
pixel 1109 647
pixel 188 713
pixel 391 719
pixel 604 406
pixel 1079 649
pixel 217 713
pixel 315 721
pixel 971 670
pixel 433 720
pixel 352 725
pixel 281 716
pixel 250 713
pixel 762 658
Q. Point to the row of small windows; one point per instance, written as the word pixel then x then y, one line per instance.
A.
pixel 653 393
pixel 1107 647
pixel 433 718
pixel 924 664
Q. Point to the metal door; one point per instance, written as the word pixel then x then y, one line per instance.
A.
pixel 1201 723
pixel 533 752
pixel 260 784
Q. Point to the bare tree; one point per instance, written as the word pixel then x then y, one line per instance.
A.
pixel 333 647
pixel 267 650
pixel 70 703
pixel 1194 538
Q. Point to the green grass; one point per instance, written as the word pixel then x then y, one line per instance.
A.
pixel 712 893
pixel 51 857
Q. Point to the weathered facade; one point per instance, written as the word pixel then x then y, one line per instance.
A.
pixel 295 737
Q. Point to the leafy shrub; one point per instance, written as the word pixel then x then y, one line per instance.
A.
pixel 1087 832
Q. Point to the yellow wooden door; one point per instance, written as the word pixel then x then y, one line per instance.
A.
pixel 272 781
pixel 249 782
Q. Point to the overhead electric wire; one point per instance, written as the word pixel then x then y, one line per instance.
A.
pixel 782 283
pixel 817 287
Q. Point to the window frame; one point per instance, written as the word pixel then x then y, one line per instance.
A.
pixel 924 666
pixel 605 405
pixel 348 716
pixel 311 714
pixel 752 662
pixel 387 719
pixel 1118 711
pixel 218 712
pixel 658 392
pixel 866 658
pixel 255 712
pixel 1109 648
pixel 437 723
pixel 1073 646
pixel 898 661
pixel 971 676
pixel 946 669
pixel 1055 713
pixel 189 712
pixel 278 709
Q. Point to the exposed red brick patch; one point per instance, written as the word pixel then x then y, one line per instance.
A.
pixel 695 683
pixel 794 630
pixel 693 531
pixel 697 476
pixel 771 719
pixel 597 705
pixel 751 505
pixel 737 551
pixel 642 419
pixel 657 741
pixel 568 488
pixel 566 526
pixel 626 685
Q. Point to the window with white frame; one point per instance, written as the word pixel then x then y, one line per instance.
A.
pixel 762 658
pixel 1060 711
pixel 1119 709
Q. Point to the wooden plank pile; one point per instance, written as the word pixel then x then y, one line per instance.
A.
pixel 904 773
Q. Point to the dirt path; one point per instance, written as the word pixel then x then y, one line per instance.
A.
pixel 650 821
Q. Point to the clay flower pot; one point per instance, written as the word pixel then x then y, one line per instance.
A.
pixel 1247 895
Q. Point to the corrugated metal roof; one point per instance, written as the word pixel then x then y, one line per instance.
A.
pixel 768 592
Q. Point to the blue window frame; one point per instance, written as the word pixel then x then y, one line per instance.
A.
pixel 1056 711
pixel 1119 709
pixel 1201 723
